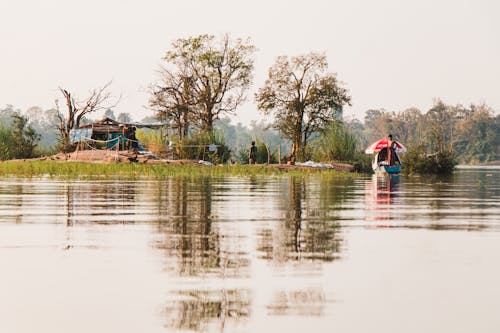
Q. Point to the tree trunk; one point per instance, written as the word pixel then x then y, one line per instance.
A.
pixel 297 139
pixel 208 119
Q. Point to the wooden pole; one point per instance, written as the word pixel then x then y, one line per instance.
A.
pixel 279 154
pixel 268 154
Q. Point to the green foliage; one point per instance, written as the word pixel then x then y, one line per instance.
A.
pixel 82 170
pixel 416 160
pixel 196 147
pixel 19 140
pixel 204 78
pixel 261 156
pixel 336 143
pixel 25 136
pixel 238 138
pixel 472 133
pixel 302 97
pixel 152 140
pixel 362 162
pixel 7 144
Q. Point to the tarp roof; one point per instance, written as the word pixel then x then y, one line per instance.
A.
pixel 108 125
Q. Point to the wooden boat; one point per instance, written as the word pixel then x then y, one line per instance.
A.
pixel 379 163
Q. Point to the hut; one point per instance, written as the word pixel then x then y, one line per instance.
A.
pixel 109 134
pixel 109 140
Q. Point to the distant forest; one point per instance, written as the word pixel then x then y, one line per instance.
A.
pixel 203 80
pixel 471 132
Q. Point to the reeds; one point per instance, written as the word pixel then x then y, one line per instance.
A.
pixel 88 170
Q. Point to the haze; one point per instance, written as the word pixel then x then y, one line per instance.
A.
pixel 390 54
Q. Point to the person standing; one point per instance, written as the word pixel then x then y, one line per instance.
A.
pixel 391 150
pixel 252 153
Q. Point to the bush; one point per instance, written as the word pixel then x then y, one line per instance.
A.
pixel 196 147
pixel 416 160
pixel 363 162
pixel 336 143
pixel 25 136
pixel 18 141
pixel 7 144
pixel 261 158
pixel 153 140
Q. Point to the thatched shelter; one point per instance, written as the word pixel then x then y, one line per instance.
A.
pixel 107 133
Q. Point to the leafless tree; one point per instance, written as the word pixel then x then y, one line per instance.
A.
pixel 98 99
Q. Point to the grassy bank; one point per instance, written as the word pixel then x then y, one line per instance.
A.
pixel 86 170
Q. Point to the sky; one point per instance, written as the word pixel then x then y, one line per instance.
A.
pixel 391 54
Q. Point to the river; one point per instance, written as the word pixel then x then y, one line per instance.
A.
pixel 252 254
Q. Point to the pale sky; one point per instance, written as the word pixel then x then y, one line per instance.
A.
pixel 391 54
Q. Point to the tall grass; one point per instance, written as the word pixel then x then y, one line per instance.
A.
pixel 87 170
pixel 153 140
pixel 336 143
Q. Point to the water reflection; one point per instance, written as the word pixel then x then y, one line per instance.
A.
pixel 307 302
pixel 380 194
pixel 201 242
pixel 188 233
pixel 238 254
pixel 208 311
pixel 306 230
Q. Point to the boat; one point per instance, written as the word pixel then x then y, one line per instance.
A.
pixel 379 163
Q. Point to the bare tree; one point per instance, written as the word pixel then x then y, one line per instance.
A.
pixel 98 99
pixel 171 100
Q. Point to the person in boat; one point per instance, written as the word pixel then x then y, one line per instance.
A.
pixel 391 153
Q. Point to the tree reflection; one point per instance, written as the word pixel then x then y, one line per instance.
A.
pixel 205 311
pixel 188 232
pixel 186 226
pixel 107 202
pixel 308 229
pixel 194 245
pixel 308 302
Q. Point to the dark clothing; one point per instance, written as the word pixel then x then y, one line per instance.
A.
pixel 391 157
pixel 252 155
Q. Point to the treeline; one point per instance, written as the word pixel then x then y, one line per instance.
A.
pixel 36 132
pixel 204 79
pixel 18 139
pixel 470 133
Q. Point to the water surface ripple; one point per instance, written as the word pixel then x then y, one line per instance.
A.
pixel 249 254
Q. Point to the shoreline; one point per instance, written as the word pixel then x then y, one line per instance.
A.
pixel 71 169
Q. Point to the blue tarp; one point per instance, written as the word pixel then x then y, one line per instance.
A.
pixel 80 135
pixel 115 138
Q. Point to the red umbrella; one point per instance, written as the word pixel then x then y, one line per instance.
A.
pixel 381 144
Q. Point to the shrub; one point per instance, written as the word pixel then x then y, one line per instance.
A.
pixel 363 162
pixel 18 141
pixel 262 155
pixel 25 136
pixel 153 140
pixel 336 143
pixel 196 147
pixel 419 161
pixel 6 144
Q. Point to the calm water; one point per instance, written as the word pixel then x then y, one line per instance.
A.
pixel 371 254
